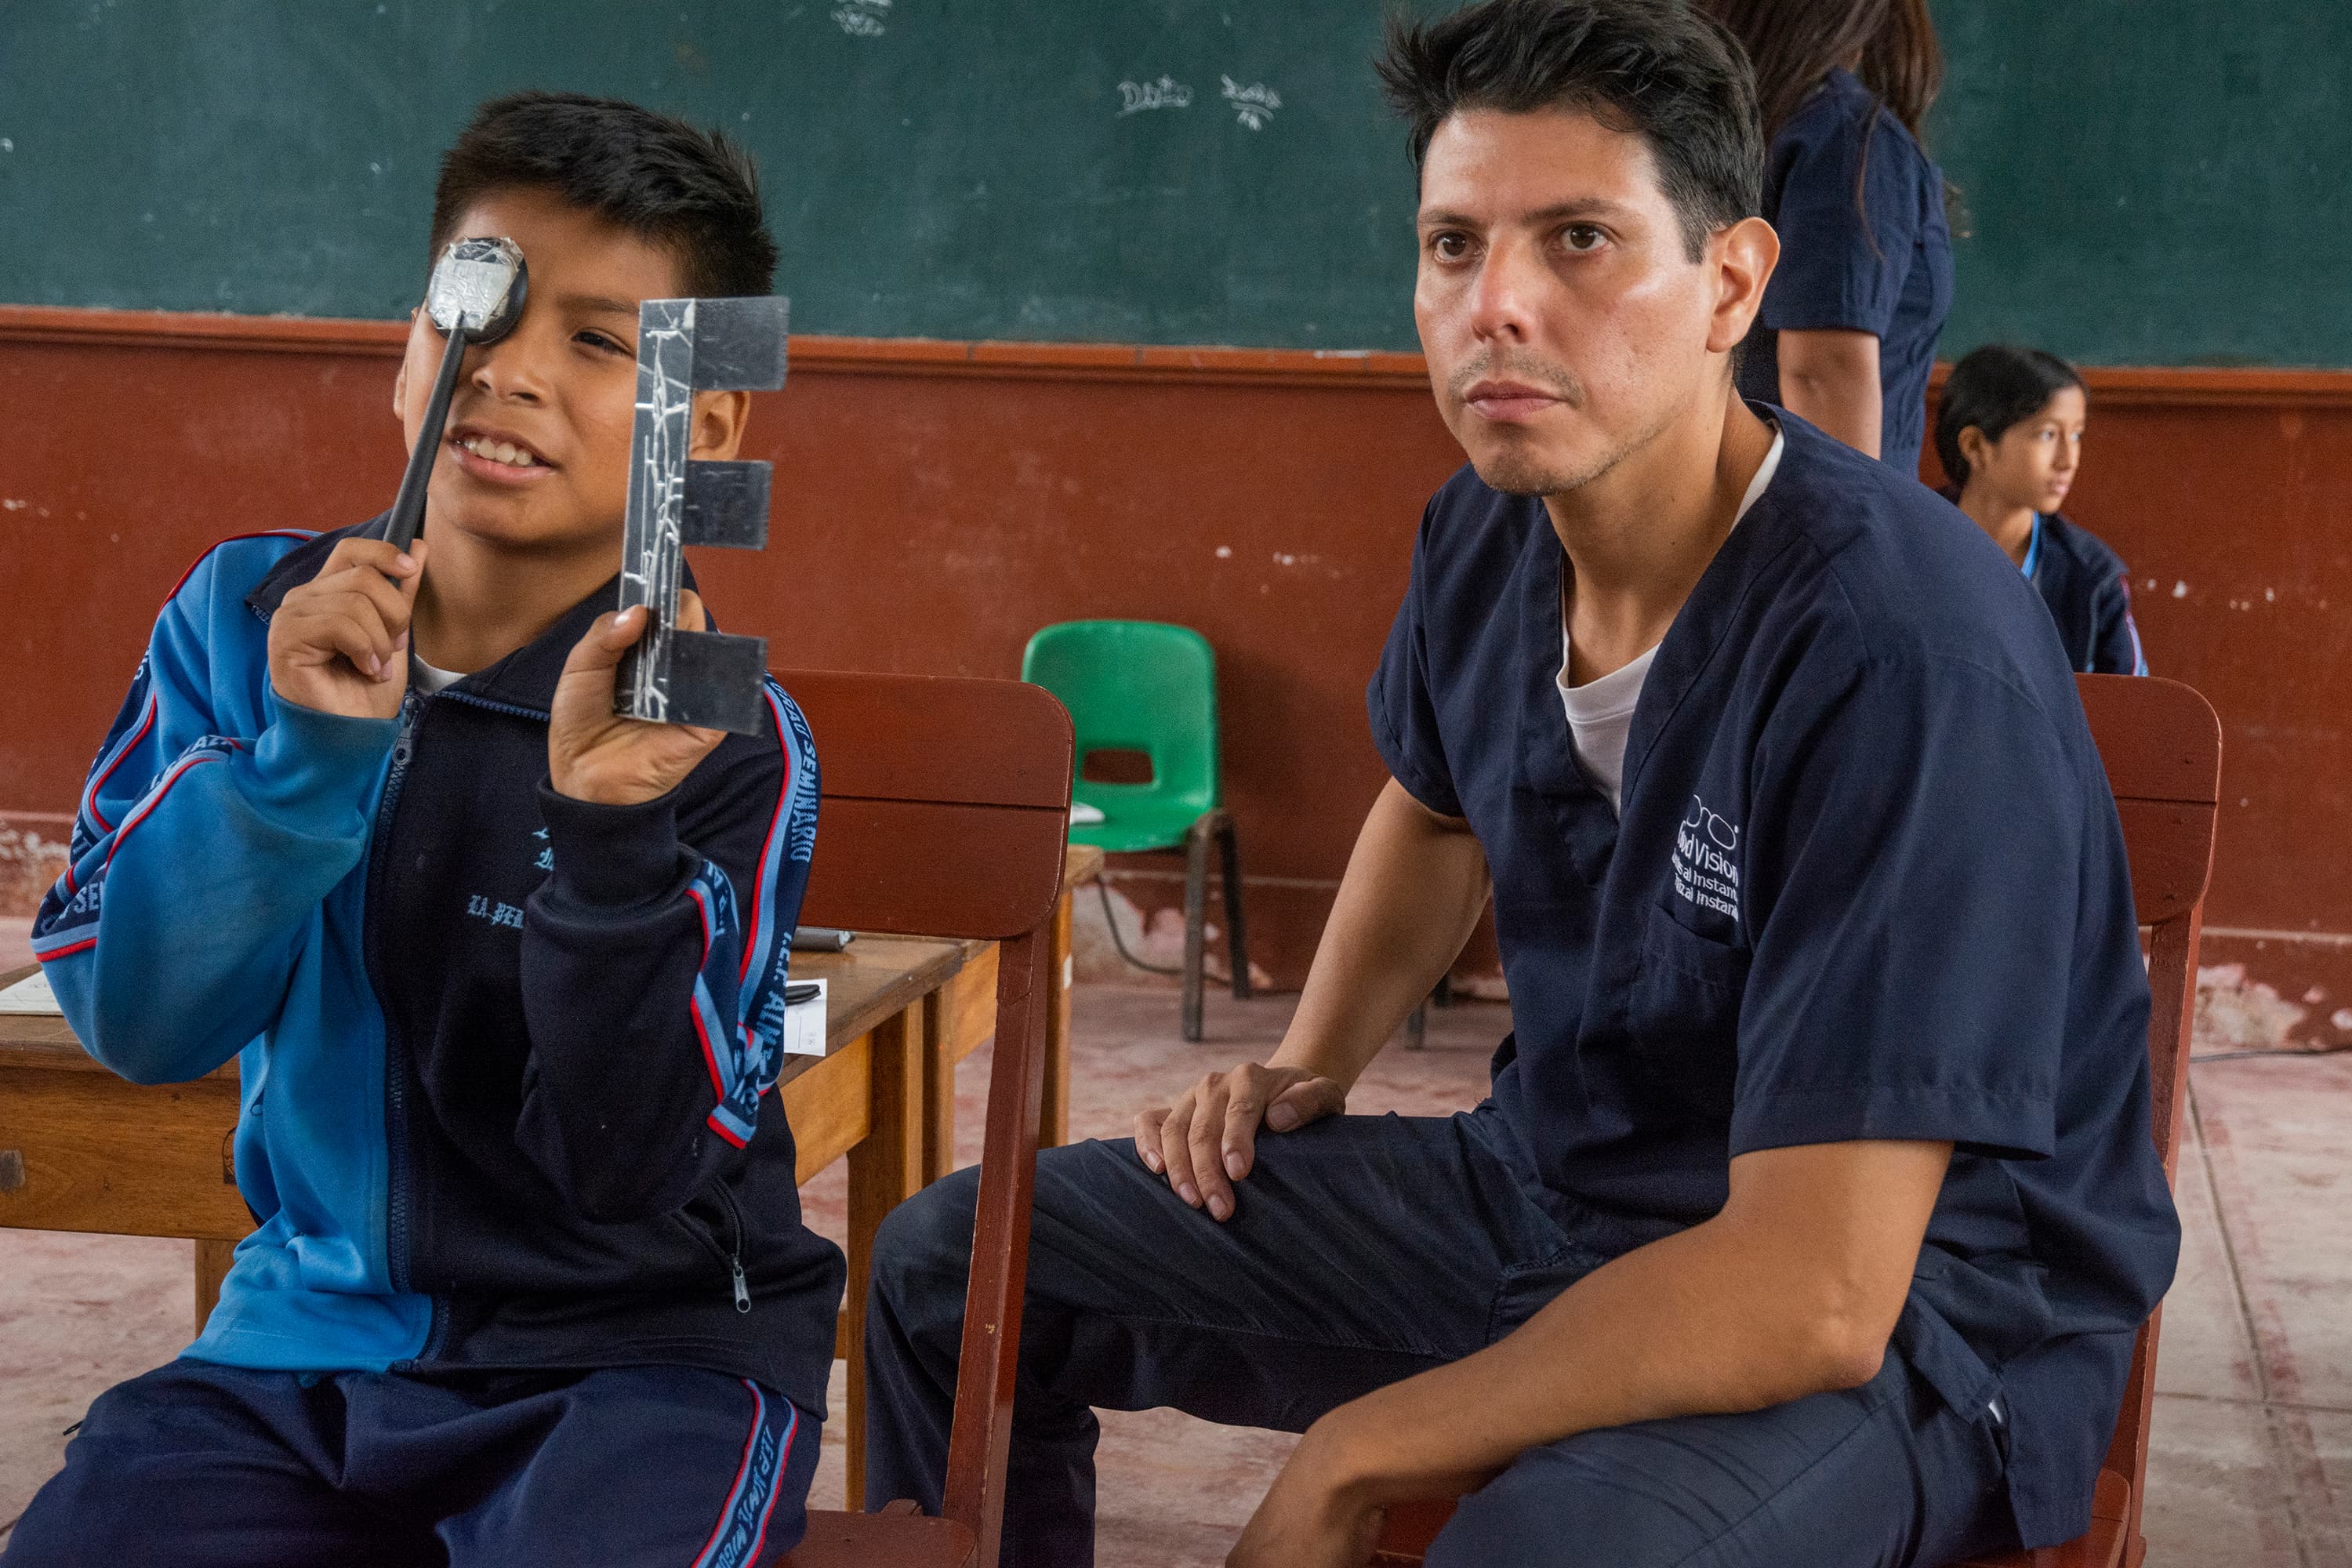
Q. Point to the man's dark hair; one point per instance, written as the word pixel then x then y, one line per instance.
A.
pixel 1658 68
pixel 695 194
pixel 1993 388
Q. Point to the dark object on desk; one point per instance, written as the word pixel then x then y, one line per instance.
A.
pixel 800 992
pixel 477 295
pixel 821 938
pixel 685 346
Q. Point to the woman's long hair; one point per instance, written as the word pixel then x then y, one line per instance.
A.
pixel 1795 42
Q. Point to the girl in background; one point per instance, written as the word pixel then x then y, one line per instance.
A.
pixel 2010 432
pixel 1847 334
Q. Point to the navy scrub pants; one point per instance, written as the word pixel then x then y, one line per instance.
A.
pixel 1364 1251
pixel 197 1466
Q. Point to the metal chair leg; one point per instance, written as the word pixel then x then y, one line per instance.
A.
pixel 1237 934
pixel 1196 913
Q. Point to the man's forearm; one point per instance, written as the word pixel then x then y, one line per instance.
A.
pixel 1731 1315
pixel 1415 885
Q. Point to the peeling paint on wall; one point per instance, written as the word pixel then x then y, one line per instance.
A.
pixel 29 866
pixel 2237 1013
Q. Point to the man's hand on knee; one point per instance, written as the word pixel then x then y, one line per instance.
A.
pixel 1208 1140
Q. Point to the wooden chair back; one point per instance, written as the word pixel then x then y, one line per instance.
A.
pixel 2161 746
pixel 943 809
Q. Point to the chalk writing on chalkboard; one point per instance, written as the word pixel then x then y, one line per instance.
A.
pixel 1253 105
pixel 861 18
pixel 1135 96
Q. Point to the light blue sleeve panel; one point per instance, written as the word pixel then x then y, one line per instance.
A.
pixel 215 820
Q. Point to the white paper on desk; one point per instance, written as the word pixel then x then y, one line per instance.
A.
pixel 804 1024
pixel 31 995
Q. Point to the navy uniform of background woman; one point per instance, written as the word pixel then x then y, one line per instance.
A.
pixel 1848 330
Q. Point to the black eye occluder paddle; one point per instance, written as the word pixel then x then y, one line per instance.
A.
pixel 476 296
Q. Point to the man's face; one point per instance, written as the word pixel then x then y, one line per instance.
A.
pixel 536 450
pixel 1563 324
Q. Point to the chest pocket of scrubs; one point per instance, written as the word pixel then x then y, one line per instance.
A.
pixel 1684 1013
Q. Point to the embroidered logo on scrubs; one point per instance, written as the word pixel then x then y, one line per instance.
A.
pixel 1705 871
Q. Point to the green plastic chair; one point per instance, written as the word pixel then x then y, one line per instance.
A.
pixel 1144 686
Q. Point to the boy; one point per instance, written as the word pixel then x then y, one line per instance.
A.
pixel 503 972
pixel 1815 1203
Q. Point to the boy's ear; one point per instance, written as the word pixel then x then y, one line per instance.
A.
pixel 719 420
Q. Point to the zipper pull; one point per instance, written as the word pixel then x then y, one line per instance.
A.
pixel 742 1289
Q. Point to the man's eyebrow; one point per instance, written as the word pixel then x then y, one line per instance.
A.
pixel 1559 212
pixel 599 304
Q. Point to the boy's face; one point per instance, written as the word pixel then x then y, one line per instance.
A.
pixel 535 455
pixel 1563 323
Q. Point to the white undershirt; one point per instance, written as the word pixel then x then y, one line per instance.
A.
pixel 1601 711
pixel 429 679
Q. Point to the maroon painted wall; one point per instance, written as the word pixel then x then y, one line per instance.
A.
pixel 936 503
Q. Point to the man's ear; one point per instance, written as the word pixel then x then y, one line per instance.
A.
pixel 719 420
pixel 400 380
pixel 1742 256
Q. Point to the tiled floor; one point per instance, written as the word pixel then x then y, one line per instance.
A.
pixel 2251 1463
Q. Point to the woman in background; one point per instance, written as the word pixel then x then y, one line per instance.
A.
pixel 1847 334
pixel 2010 432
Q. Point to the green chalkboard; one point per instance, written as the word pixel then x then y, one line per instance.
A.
pixel 2151 181
pixel 2145 181
pixel 1165 171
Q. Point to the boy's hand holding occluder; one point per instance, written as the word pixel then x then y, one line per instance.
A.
pixel 593 754
pixel 339 644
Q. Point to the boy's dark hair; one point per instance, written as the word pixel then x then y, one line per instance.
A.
pixel 693 193
pixel 1992 389
pixel 1659 69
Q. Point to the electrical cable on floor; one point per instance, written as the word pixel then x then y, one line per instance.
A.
pixel 1112 920
pixel 2283 1051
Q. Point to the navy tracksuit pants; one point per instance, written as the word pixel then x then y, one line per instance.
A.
pixel 198 1465
pixel 1363 1250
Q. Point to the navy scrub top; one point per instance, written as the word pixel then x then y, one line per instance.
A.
pixel 1882 267
pixel 1868 883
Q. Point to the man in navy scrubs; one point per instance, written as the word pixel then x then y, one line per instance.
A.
pixel 1815 1203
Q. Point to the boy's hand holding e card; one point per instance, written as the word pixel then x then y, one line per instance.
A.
pixel 594 754
pixel 339 644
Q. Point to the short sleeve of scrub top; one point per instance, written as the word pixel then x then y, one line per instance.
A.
pixel 1911 971
pixel 1843 267
pixel 1403 715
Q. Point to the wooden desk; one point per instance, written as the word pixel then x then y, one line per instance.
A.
pixel 83 1149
